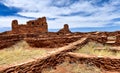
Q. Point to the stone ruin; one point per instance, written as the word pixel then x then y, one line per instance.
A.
pixel 66 54
pixel 35 33
pixel 53 40
pixel 65 29
pixel 118 39
pixel 33 26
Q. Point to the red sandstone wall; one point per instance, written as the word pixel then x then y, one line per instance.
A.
pixel 50 60
pixel 9 40
pixel 105 63
pixel 52 42
pixel 65 29
pixel 29 29
pixel 99 39
pixel 118 40
pixel 34 26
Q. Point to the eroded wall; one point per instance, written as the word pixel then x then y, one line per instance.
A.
pixel 33 26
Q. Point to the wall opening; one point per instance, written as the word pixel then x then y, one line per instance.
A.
pixel 32 23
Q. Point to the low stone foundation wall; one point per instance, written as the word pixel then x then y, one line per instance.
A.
pixel 53 42
pixel 9 40
pixel 98 39
pixel 105 63
pixel 50 40
pixel 50 60
pixel 65 54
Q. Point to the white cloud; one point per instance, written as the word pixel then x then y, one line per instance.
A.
pixel 31 5
pixel 38 8
pixel 6 21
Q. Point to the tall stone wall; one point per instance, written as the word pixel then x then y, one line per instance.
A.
pixel 33 26
pixel 14 25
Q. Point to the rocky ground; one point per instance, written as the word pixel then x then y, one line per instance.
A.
pixel 63 54
pixel 64 45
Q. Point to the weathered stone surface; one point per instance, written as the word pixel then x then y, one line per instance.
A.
pixel 105 63
pixel 33 26
pixel 9 40
pixel 100 39
pixel 118 40
pixel 51 42
pixel 65 29
pixel 50 60
pixel 37 29
pixel 63 55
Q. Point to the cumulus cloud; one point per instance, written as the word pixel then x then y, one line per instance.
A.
pixel 6 21
pixel 77 13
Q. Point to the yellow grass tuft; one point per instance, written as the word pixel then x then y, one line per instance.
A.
pixel 90 49
pixel 18 53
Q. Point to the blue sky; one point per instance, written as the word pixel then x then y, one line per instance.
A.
pixel 76 13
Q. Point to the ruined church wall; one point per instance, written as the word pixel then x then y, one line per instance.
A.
pixel 33 26
pixel 30 29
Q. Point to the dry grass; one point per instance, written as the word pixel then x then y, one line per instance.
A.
pixel 66 67
pixel 90 49
pixel 19 53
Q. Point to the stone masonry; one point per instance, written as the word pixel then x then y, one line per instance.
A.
pixel 65 29
pixel 33 26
